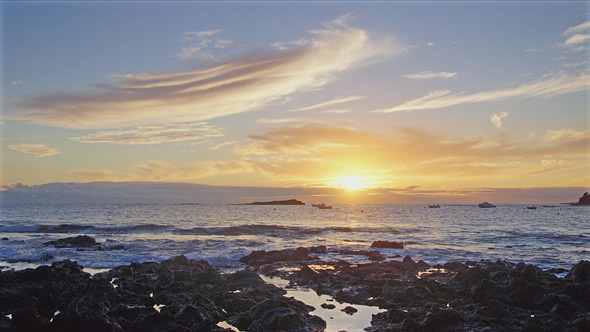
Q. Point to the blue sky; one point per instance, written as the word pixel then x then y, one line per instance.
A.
pixel 365 96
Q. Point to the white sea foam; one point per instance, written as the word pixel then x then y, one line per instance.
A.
pixel 555 237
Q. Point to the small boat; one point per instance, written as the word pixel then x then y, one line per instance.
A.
pixel 434 206
pixel 318 205
pixel 323 207
pixel 486 205
pixel 531 207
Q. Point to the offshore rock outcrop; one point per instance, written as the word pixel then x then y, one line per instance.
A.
pixel 584 200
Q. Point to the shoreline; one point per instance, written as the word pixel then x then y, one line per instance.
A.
pixel 182 294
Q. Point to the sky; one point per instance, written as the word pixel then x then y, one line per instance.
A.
pixel 379 102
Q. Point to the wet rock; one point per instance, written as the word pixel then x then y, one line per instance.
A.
pixel 80 241
pixel 257 258
pixel 409 325
pixel 439 320
pixel 387 244
pixel 495 309
pixel 279 315
pixel 350 310
pixel 328 306
pixel 25 320
pixel 580 272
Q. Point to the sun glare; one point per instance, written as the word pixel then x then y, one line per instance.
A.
pixel 353 183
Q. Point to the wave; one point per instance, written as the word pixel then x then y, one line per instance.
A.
pixel 253 229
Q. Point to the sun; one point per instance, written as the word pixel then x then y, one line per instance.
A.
pixel 352 183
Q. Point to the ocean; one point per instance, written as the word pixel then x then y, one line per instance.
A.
pixel 550 237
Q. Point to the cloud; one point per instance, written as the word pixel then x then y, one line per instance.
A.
pixel 577 37
pixel 222 43
pixel 16 83
pixel 154 134
pixel 163 171
pixel 546 87
pixel 577 29
pixel 204 33
pixel 38 150
pixel 244 84
pixel 281 120
pixel 423 75
pixel 319 153
pixel 101 175
pixel 195 53
pixel 430 44
pixel 497 119
pixel 334 101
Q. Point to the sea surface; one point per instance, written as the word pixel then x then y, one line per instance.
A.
pixel 550 237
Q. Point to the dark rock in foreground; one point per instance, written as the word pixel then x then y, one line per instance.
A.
pixel 285 202
pixel 179 294
pixel 472 296
pixel 182 294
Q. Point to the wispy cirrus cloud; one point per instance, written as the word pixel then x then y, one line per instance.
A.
pixel 545 87
pixel 202 33
pixel 101 175
pixel 154 134
pixel 334 101
pixel 577 29
pixel 243 84
pixel 426 75
pixel 195 53
pixel 281 120
pixel 577 37
pixel 164 171
pixel 38 150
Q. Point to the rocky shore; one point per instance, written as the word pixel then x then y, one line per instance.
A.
pixel 182 294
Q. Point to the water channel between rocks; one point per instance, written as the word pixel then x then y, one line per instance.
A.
pixel 336 319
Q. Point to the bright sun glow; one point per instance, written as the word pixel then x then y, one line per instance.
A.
pixel 351 183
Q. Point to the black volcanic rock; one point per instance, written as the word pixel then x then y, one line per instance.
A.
pixel 178 294
pixel 387 244
pixel 262 257
pixel 76 241
pixel 284 202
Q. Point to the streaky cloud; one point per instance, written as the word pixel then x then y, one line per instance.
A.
pixel 425 75
pixel 244 84
pixel 164 171
pixel 153 134
pixel 38 150
pixel 546 87
pixel 331 102
pixel 577 29
pixel 101 175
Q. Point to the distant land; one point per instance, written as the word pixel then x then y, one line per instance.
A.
pixel 177 193
pixel 284 202
pixel 584 200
